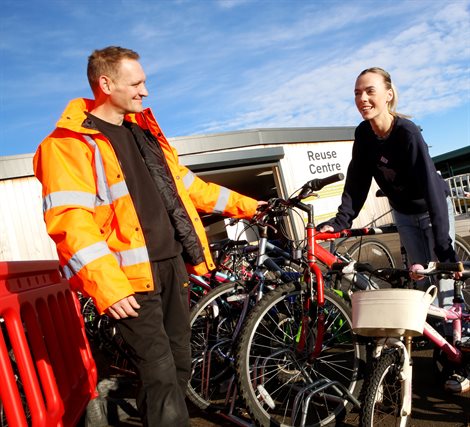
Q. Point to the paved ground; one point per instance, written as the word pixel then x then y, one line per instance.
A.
pixel 432 406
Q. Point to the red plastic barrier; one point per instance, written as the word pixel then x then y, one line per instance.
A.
pixel 47 372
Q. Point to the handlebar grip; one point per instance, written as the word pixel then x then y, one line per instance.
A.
pixel 449 266
pixel 248 249
pixel 318 183
pixel 356 267
pixel 271 265
pixel 364 267
pixel 338 266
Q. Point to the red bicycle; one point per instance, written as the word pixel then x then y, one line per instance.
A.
pixel 298 361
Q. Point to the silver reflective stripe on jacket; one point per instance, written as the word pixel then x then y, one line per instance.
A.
pixel 68 198
pixel 222 200
pixel 132 256
pixel 85 256
pixel 188 180
pixel 103 191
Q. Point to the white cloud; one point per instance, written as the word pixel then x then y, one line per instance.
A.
pixel 428 61
pixel 219 65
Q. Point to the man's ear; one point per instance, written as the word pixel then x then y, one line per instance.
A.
pixel 105 84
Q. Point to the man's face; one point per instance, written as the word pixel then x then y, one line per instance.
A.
pixel 127 88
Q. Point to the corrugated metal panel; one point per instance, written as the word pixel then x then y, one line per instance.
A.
pixel 21 165
pixel 22 229
pixel 227 159
pixel 16 166
pixel 238 139
pixel 451 155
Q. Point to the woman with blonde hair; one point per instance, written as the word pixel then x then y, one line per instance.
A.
pixel 390 148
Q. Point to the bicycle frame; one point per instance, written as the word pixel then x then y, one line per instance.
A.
pixel 456 315
pixel 314 251
pixel 329 258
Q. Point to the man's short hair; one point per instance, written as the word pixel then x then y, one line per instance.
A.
pixel 105 62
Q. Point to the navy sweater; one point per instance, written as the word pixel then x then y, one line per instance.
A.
pixel 403 169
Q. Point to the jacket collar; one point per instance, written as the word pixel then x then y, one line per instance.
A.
pixel 74 117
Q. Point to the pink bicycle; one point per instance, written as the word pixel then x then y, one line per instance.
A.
pixel 387 399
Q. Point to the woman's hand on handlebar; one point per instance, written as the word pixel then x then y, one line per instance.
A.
pixel 416 267
pixel 413 272
pixel 325 228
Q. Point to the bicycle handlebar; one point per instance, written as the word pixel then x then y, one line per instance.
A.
pixel 441 267
pixel 318 183
pixel 225 244
pixel 307 190
pixel 357 232
pixel 389 273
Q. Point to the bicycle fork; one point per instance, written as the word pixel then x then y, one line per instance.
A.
pixel 406 371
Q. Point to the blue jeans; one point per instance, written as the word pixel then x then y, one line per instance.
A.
pixel 416 236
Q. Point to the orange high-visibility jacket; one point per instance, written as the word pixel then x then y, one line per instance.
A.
pixel 90 215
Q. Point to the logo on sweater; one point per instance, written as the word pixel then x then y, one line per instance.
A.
pixel 384 160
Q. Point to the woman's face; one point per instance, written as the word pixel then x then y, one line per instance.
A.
pixel 371 96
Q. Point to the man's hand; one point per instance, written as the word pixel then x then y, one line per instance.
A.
pixel 124 308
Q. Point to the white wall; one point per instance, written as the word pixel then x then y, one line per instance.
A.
pixel 306 161
pixel 23 233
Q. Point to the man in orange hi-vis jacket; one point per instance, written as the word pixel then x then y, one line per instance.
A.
pixel 123 213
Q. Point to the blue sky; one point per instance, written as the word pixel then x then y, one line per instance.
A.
pixel 222 65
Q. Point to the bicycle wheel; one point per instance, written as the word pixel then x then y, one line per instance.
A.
pixel 90 316
pixel 198 287
pixel 277 382
pixel 214 321
pixel 383 393
pixel 374 252
pixel 462 249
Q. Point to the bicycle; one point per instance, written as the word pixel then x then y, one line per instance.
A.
pixel 217 317
pixel 297 359
pixel 387 398
pixel 461 246
pixel 217 320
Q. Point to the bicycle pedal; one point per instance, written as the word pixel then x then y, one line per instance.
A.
pixel 422 343
pixel 464 345
pixel 237 297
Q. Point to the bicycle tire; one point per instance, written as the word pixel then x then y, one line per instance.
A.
pixel 214 320
pixel 382 399
pixel 90 316
pixel 462 249
pixel 374 252
pixel 266 346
